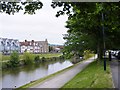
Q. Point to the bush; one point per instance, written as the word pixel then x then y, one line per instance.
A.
pixel 87 54
pixel 37 58
pixel 14 59
pixel 28 58
pixel 43 59
pixel 5 65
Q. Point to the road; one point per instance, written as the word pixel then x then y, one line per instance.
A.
pixel 115 69
pixel 59 80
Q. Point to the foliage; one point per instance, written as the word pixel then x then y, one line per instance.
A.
pixel 43 59
pixel 13 7
pixel 86 26
pixel 37 58
pixel 14 59
pixel 6 58
pixel 50 48
pixel 87 54
pixel 6 65
pixel 28 57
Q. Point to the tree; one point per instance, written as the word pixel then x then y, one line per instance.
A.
pixel 85 25
pixel 28 58
pixel 14 59
pixel 14 7
pixel 50 48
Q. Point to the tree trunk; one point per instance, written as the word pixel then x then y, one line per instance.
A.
pixel 100 50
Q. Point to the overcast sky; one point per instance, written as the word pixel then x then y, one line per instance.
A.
pixel 43 25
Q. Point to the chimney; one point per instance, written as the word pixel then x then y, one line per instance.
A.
pixel 32 40
pixel 25 40
pixel 46 40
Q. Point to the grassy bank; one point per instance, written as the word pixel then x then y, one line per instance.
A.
pixel 29 59
pixel 91 77
pixel 47 55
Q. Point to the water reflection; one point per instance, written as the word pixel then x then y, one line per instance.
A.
pixel 22 75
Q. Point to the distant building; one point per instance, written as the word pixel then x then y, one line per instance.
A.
pixel 9 45
pixel 34 46
pixel 56 48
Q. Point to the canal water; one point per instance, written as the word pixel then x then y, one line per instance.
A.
pixel 23 75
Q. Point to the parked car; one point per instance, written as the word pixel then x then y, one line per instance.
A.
pixel 118 55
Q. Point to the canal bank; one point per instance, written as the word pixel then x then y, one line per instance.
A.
pixel 16 60
pixel 58 79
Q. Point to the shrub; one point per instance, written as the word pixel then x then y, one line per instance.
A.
pixel 4 65
pixel 28 58
pixel 43 59
pixel 87 54
pixel 14 59
pixel 37 58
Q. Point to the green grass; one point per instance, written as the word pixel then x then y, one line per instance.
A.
pixel 93 76
pixel 48 55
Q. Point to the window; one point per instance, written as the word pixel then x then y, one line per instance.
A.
pixel 8 44
pixel 31 48
pixel 23 47
pixel 13 43
pixel 2 42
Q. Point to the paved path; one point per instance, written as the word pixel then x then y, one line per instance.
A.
pixel 62 78
pixel 115 69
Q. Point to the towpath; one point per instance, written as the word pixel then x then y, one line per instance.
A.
pixel 60 79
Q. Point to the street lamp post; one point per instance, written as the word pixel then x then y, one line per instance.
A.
pixel 103 42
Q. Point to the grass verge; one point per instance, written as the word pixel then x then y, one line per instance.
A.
pixel 47 55
pixel 93 76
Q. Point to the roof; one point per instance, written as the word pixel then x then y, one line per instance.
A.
pixel 4 39
pixel 31 43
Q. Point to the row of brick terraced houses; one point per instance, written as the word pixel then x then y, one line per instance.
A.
pixel 9 45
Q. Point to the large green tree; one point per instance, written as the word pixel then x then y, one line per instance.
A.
pixel 86 25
